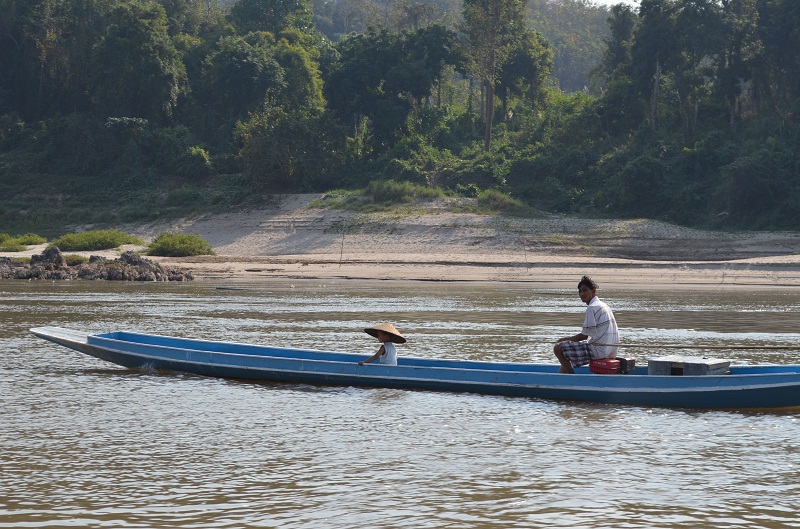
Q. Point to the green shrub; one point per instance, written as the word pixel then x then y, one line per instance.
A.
pixel 337 198
pixel 379 195
pixel 30 239
pixel 179 245
pixel 12 245
pixel 391 191
pixel 74 259
pixel 194 162
pixel 95 240
pixel 494 200
pixel 4 237
pixel 21 260
pixel 182 197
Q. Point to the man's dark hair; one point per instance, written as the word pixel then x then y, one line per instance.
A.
pixel 586 280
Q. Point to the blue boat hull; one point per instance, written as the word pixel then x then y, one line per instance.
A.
pixel 745 386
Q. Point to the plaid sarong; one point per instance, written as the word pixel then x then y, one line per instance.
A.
pixel 578 353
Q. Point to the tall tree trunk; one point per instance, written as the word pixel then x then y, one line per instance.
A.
pixel 482 110
pixel 470 95
pixel 487 135
pixel 490 85
pixel 682 112
pixel 656 86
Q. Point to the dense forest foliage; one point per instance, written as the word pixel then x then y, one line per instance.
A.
pixel 682 110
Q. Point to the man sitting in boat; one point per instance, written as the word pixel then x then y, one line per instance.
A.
pixel 387 335
pixel 597 337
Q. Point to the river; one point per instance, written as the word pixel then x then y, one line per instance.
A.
pixel 84 443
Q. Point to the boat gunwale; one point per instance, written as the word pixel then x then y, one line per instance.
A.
pixel 354 356
pixel 713 380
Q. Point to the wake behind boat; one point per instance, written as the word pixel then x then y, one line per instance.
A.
pixel 737 387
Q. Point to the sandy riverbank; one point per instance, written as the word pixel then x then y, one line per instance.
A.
pixel 292 240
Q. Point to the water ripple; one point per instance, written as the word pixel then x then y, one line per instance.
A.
pixel 87 444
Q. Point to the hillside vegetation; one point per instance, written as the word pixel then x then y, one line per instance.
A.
pixel 115 111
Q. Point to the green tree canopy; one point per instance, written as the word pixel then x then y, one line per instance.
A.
pixel 381 76
pixel 136 70
pixel 527 72
pixel 494 29
pixel 241 74
pixel 302 76
pixel 272 15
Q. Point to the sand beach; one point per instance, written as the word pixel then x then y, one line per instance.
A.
pixel 291 239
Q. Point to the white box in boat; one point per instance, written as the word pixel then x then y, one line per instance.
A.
pixel 687 366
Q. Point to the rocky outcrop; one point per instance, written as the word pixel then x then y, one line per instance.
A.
pixel 128 267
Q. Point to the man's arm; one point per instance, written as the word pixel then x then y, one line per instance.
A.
pixel 577 338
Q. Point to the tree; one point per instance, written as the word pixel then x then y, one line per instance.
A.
pixel 272 15
pixel 302 78
pixel 778 78
pixel 654 48
pixel 735 69
pixel 282 152
pixel 527 70
pixel 185 16
pixel 45 51
pixel 701 36
pixel 355 84
pixel 345 17
pixel 493 29
pixel 424 54
pixel 381 76
pixel 617 54
pixel 575 30
pixel 29 54
pixel 240 74
pixel 137 71
pixel 618 108
pixel 416 15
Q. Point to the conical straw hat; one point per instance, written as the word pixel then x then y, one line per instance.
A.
pixel 388 328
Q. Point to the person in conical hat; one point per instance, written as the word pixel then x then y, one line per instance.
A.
pixel 387 335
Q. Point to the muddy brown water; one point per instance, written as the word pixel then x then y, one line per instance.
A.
pixel 85 443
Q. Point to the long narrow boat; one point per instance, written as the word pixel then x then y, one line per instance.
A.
pixel 740 387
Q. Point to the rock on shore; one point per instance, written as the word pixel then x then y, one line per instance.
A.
pixel 51 264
